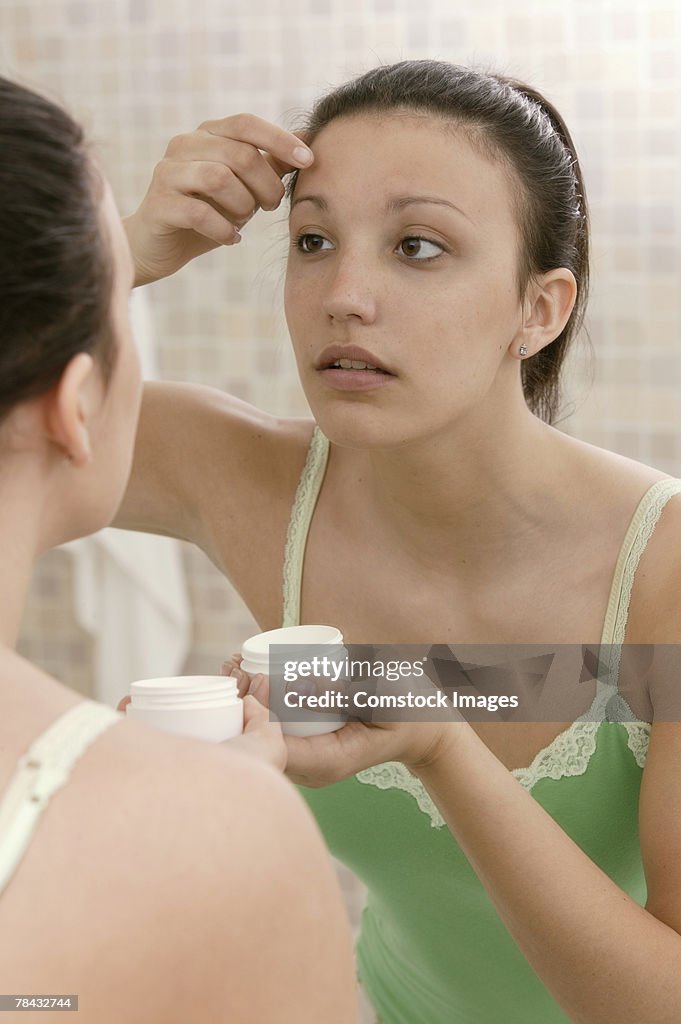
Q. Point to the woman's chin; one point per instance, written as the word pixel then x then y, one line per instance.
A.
pixel 360 428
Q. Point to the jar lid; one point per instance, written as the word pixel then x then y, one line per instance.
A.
pixel 190 686
pixel 261 642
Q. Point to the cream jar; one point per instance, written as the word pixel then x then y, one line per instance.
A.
pixel 255 653
pixel 201 707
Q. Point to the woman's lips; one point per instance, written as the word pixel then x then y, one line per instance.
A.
pixel 355 380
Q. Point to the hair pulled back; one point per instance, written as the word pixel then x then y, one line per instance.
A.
pixel 55 267
pixel 514 122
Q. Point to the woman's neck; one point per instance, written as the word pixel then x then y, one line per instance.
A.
pixel 474 499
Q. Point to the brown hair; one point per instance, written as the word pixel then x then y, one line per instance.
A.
pixel 55 266
pixel 512 120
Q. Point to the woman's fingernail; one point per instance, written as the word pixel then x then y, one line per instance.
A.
pixel 302 155
pixel 255 684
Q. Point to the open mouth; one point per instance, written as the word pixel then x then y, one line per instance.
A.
pixel 355 364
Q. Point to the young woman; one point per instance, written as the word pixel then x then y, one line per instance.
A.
pixel 437 274
pixel 155 878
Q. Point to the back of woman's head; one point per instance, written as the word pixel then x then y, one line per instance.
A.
pixel 512 122
pixel 55 269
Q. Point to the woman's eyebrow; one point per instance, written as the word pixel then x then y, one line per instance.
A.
pixel 317 200
pixel 398 203
pixel 402 201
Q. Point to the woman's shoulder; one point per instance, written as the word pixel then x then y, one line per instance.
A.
pixel 610 487
pixel 127 767
pixel 617 473
pixel 650 503
pixel 158 850
pixel 198 858
pixel 619 506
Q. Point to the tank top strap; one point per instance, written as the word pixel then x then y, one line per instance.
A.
pixel 640 531
pixel 41 771
pixel 304 503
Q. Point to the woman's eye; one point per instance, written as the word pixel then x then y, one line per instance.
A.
pixel 310 243
pixel 413 246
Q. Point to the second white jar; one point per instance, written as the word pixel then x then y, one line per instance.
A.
pixel 255 653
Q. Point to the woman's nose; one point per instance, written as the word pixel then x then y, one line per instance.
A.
pixel 351 293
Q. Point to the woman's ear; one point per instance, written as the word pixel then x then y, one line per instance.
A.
pixel 549 301
pixel 67 407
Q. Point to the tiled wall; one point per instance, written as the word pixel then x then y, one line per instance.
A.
pixel 139 71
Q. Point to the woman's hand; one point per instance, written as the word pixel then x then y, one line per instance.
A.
pixel 210 183
pixel 262 737
pixel 321 760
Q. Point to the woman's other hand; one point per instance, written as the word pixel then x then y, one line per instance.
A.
pixel 210 183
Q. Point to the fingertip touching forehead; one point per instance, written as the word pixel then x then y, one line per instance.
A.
pixel 515 129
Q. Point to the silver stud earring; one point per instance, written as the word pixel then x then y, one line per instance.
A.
pixel 523 350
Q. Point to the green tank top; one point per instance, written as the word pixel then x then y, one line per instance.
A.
pixel 432 948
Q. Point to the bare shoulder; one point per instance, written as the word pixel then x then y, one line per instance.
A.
pixel 199 448
pixel 609 475
pixel 171 887
pixel 610 491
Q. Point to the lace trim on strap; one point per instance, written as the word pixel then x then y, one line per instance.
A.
pixel 568 755
pixel 570 751
pixel 639 533
pixel 638 737
pixel 307 493
pixel 394 775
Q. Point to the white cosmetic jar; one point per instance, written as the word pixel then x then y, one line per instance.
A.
pixel 255 653
pixel 201 707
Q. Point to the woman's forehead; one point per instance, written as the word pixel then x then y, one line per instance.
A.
pixel 399 127
pixel 393 154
